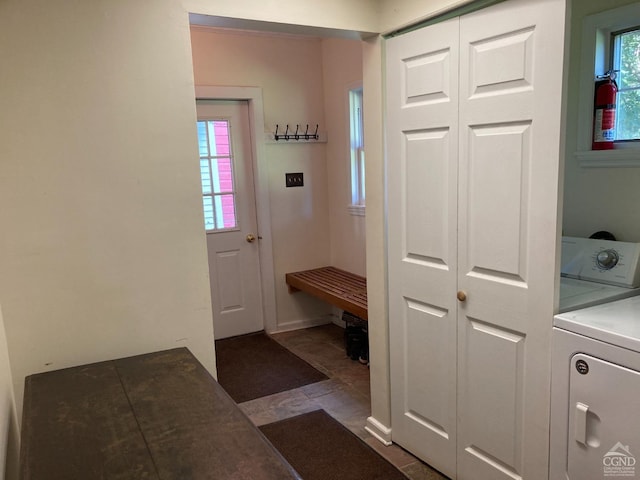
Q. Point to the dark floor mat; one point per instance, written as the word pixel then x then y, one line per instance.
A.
pixel 320 448
pixel 254 366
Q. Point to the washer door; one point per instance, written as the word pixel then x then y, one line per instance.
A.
pixel 604 420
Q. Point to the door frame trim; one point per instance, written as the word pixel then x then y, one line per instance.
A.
pixel 253 96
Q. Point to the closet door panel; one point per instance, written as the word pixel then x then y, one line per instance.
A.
pixel 492 397
pixel 422 140
pixel 426 406
pixel 510 112
pixel 501 64
pixel 425 162
pixel 498 162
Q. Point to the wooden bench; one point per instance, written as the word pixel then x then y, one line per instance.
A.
pixel 155 416
pixel 345 290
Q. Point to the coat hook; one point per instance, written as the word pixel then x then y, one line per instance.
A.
pixel 298 134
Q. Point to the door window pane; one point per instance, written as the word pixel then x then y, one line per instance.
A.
pixel 216 172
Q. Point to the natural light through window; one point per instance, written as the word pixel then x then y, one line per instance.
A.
pixel 357 152
pixel 216 173
pixel 626 61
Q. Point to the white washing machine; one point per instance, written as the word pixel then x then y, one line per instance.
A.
pixel 595 391
pixel 597 271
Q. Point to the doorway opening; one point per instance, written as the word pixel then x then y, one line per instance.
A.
pixel 298 80
pixel 295 80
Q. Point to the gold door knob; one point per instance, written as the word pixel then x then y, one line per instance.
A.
pixel 250 238
pixel 461 296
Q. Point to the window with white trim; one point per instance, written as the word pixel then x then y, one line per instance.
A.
pixel 600 33
pixel 216 174
pixel 357 206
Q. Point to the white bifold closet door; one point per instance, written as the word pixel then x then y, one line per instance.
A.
pixel 473 161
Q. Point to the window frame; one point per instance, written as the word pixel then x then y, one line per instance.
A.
pixel 356 150
pixel 596 59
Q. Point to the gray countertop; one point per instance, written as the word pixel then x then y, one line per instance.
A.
pixel 153 416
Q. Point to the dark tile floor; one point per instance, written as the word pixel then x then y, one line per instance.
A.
pixel 345 395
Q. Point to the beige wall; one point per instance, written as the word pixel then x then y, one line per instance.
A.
pixel 595 198
pixel 289 70
pixel 342 71
pixel 102 247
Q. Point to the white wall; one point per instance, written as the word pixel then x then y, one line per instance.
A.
pixel 289 70
pixel 377 294
pixel 595 198
pixel 342 70
pixel 102 249
pixel 9 432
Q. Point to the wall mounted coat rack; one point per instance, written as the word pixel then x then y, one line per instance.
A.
pixel 290 136
pixel 297 135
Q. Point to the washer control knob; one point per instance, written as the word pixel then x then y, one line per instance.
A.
pixel 607 259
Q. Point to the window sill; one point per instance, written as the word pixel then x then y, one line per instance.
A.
pixel 358 210
pixel 623 158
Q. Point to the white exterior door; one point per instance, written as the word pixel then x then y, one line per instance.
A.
pixel 500 261
pixel 230 216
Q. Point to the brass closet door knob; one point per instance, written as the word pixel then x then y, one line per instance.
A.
pixel 462 296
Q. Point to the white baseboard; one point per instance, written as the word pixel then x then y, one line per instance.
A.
pixel 378 430
pixel 305 323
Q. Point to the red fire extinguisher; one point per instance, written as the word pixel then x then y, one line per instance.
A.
pixel 604 115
